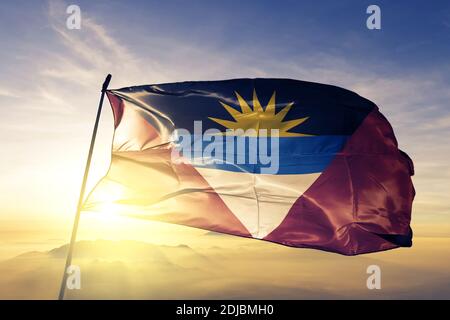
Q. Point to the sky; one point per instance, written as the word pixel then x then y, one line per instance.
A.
pixel 50 78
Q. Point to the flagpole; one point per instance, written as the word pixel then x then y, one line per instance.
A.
pixel 82 190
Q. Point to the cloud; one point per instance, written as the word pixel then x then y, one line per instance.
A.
pixel 137 270
pixel 7 92
pixel 87 54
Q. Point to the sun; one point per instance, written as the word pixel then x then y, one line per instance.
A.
pixel 260 118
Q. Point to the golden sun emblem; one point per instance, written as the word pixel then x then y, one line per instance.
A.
pixel 260 118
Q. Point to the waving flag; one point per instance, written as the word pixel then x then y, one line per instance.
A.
pixel 292 162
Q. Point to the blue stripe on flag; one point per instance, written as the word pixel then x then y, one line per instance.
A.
pixel 296 155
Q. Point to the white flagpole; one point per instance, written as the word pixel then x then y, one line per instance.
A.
pixel 82 190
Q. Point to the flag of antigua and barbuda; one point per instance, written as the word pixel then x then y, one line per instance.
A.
pixel 292 162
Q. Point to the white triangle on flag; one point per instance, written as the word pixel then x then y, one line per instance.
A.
pixel 259 201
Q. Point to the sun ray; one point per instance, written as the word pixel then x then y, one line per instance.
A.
pixel 244 105
pixel 256 104
pixel 270 109
pixel 293 123
pixel 232 111
pixel 258 118
pixel 280 115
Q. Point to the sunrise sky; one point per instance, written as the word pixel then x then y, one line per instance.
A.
pixel 50 79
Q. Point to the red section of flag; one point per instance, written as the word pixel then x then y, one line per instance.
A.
pixel 117 106
pixel 365 193
pixel 197 204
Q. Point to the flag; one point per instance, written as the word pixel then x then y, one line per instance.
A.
pixel 292 162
